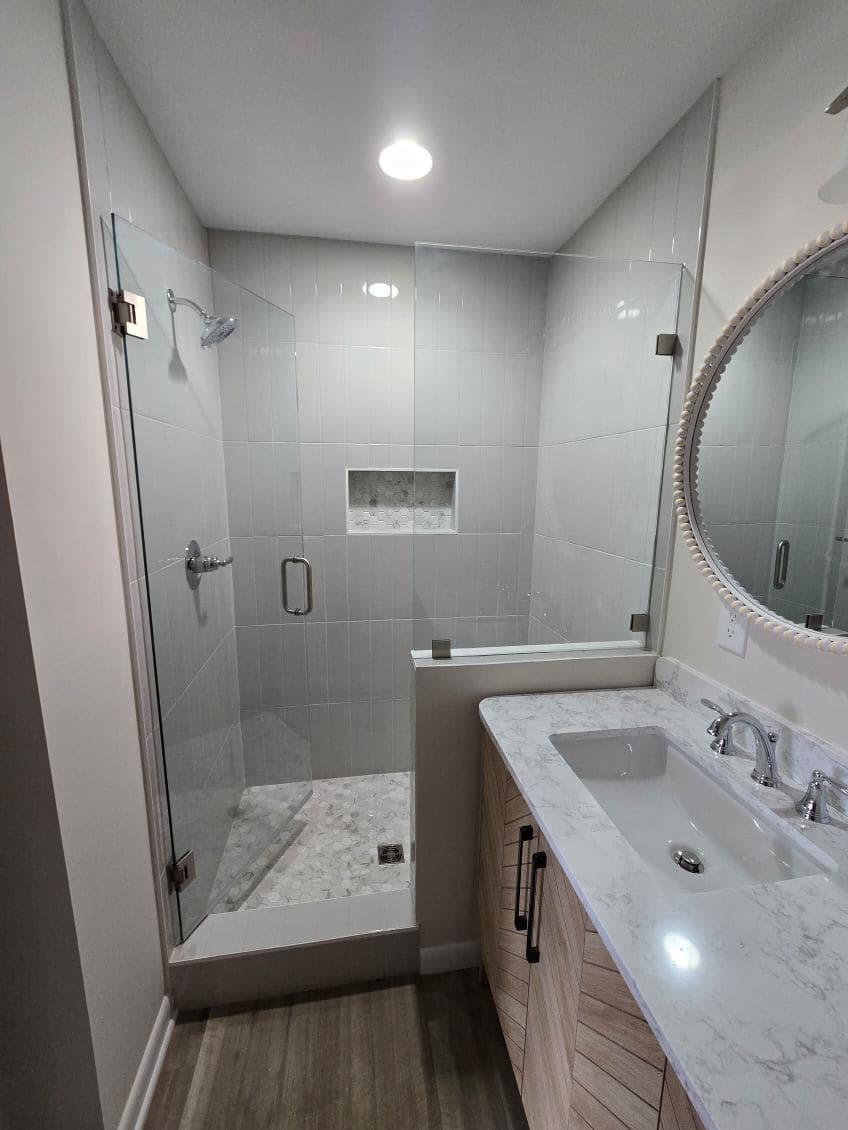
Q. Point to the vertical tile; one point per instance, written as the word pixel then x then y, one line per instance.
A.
pixel 247 646
pixel 262 494
pixel 338 662
pixel 381 659
pixel 339 715
pixel 316 662
pixel 361 742
pixel 237 462
pixel 271 676
pixel 359 659
pixel 359 576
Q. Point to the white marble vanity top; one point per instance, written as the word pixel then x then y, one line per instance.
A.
pixel 746 989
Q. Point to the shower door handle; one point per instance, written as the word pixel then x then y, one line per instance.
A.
pixel 310 602
pixel 781 564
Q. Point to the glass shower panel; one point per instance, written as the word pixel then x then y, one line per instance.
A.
pixel 211 406
pixel 542 404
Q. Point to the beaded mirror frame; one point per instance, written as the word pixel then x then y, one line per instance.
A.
pixel 688 440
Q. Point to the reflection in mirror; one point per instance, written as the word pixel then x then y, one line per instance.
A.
pixel 771 485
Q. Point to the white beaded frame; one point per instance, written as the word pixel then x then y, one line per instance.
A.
pixel 686 448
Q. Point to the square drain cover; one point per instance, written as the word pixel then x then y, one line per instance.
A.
pixel 390 853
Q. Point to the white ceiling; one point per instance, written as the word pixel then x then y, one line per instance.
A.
pixel 272 112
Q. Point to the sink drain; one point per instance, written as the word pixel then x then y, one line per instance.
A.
pixel 688 860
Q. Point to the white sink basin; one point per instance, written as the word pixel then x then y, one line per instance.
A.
pixel 662 802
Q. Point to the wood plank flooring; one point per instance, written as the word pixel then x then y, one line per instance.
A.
pixel 423 1053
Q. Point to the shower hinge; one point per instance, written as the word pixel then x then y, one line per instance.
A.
pixel 640 622
pixel 181 872
pixel 666 345
pixel 129 313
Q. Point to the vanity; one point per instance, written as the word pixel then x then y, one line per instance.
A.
pixel 665 939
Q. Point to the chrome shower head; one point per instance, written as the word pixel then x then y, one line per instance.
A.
pixel 214 329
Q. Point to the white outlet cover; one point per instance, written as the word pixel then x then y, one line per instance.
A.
pixel 732 632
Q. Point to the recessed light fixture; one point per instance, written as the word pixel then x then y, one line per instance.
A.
pixel 405 160
pixel 380 290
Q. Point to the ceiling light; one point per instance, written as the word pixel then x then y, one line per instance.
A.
pixel 380 290
pixel 405 160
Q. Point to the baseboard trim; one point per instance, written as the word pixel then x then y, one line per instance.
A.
pixel 144 1084
pixel 449 956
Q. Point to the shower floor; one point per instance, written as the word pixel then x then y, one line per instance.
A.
pixel 328 850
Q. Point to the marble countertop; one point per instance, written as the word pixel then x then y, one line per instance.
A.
pixel 755 1017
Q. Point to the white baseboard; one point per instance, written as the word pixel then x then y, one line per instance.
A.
pixel 449 956
pixel 144 1084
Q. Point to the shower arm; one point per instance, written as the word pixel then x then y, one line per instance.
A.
pixel 174 302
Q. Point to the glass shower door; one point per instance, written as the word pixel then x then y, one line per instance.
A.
pixel 210 402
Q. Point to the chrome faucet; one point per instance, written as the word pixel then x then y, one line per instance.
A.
pixel 813 804
pixel 721 731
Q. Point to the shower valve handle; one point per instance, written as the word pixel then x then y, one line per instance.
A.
pixel 201 564
pixel 197 564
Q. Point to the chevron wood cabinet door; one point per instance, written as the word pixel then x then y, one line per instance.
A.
pixel 583 1054
pixel 503 813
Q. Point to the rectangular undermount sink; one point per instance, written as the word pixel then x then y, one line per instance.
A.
pixel 665 804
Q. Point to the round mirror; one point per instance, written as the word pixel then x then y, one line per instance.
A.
pixel 761 473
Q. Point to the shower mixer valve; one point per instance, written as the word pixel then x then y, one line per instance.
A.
pixel 197 563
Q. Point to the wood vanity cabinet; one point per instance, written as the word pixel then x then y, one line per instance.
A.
pixel 582 1053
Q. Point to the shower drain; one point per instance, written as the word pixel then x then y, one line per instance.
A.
pixel 390 853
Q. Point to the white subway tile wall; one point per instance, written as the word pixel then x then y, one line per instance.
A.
pixel 479 341
pixel 348 403
pixel 603 404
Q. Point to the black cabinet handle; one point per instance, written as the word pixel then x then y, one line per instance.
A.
pixel 525 833
pixel 538 862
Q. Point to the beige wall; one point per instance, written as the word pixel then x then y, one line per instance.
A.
pixel 773 150
pixel 53 438
pixel 447 731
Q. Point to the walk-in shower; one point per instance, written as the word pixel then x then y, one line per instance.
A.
pixel 388 446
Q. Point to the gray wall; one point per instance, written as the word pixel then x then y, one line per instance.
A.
pixel 354 409
pixel 470 403
pixel 479 323
pixel 601 445
pixel 56 459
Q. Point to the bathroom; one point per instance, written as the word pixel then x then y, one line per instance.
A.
pixel 310 480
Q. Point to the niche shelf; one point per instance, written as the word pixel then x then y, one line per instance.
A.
pixel 383 501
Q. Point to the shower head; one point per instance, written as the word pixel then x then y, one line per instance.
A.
pixel 214 329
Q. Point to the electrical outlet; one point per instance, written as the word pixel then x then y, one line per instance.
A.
pixel 732 632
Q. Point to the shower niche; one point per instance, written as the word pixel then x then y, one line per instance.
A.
pixel 384 501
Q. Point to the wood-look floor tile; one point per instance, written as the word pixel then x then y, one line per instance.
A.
pixel 410 1054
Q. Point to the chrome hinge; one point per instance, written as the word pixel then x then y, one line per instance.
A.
pixel 666 345
pixel 129 313
pixel 640 622
pixel 181 872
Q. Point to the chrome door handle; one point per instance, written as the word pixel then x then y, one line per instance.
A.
pixel 310 602
pixel 781 564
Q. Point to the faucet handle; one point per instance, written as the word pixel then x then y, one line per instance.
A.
pixel 712 729
pixel 813 804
